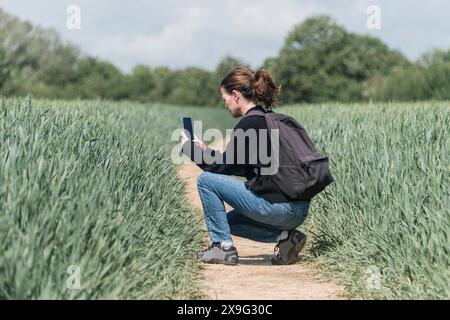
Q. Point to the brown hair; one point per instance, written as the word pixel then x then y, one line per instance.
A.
pixel 258 86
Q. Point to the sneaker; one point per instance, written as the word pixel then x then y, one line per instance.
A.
pixel 289 248
pixel 216 254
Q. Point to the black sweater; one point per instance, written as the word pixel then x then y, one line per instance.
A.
pixel 263 185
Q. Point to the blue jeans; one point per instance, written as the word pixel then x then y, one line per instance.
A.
pixel 253 217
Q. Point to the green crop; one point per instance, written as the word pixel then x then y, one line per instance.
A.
pixel 387 214
pixel 91 184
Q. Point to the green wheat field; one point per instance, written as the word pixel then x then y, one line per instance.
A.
pixel 91 184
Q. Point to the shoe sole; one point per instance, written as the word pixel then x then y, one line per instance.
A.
pixel 232 262
pixel 293 253
pixel 296 249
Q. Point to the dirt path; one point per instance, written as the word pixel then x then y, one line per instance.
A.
pixel 255 277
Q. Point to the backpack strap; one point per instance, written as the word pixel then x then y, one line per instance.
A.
pixel 258 112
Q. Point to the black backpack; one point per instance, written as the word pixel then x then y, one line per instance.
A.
pixel 302 171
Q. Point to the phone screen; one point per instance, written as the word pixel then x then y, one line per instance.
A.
pixel 187 125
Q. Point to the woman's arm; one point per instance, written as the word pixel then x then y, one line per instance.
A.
pixel 232 167
pixel 221 167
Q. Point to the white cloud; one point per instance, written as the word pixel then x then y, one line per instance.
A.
pixel 201 35
pixel 180 33
pixel 174 45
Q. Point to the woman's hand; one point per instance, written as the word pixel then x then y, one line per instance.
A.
pixel 183 137
pixel 196 140
pixel 199 143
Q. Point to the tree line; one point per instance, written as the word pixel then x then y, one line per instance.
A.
pixel 319 61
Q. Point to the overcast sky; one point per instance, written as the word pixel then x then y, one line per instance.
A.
pixel 181 33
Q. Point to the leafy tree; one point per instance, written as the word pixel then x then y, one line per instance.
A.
pixel 321 61
pixel 142 83
pixel 434 57
pixel 102 80
pixel 429 78
pixel 164 80
pixel 41 60
pixel 192 86
pixel 5 67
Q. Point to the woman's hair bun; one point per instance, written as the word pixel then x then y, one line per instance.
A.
pixel 257 86
pixel 265 89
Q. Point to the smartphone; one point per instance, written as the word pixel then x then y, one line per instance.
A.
pixel 187 125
